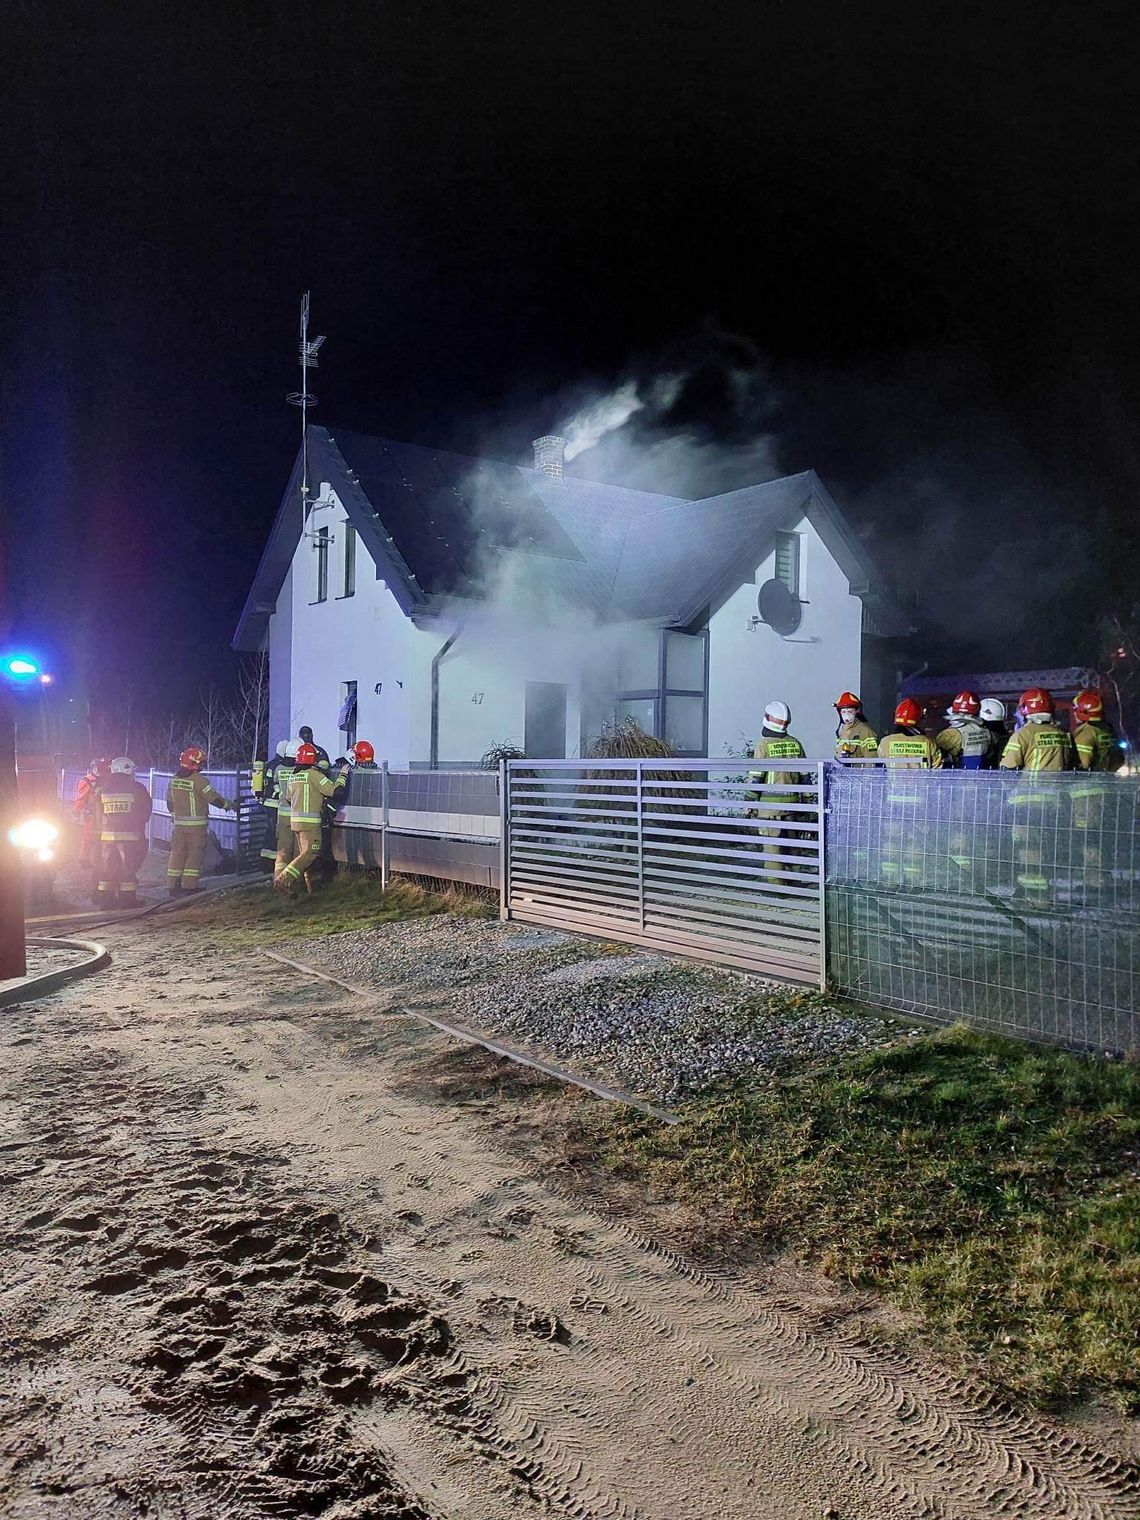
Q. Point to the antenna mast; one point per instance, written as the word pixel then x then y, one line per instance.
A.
pixel 304 398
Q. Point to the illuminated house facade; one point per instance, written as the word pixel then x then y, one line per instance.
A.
pixel 440 605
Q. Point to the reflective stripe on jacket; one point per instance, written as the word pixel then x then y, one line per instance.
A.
pixel 773 747
pixel 282 776
pixel 855 741
pixel 1038 749
pixel 124 807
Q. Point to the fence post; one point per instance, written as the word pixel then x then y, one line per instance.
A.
pixel 504 841
pixel 150 820
pixel 821 816
pixel 640 847
pixel 385 873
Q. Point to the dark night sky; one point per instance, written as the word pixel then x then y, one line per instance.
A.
pixel 923 218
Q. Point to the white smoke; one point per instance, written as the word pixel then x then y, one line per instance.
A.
pixel 604 414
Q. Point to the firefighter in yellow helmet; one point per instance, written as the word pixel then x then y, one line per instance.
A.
pixel 855 739
pixel 1098 755
pixel 308 788
pixel 775 818
pixel 124 810
pixel 189 798
pixel 907 749
pixel 1038 748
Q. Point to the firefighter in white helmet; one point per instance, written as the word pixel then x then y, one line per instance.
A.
pixel 124 812
pixel 774 812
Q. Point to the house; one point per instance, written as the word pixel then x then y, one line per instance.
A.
pixel 439 605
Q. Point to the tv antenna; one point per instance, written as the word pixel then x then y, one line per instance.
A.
pixel 309 348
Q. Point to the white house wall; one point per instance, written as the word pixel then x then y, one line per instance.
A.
pixel 280 663
pixel 364 638
pixel 749 667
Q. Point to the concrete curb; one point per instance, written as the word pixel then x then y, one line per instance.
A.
pixel 31 987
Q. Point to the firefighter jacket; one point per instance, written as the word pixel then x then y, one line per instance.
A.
pixel 283 773
pixel 85 795
pixel 308 788
pixel 775 746
pixel 966 744
pixel 124 810
pixel 910 751
pixel 1096 746
pixel 1037 749
pixel 855 741
pixel 189 797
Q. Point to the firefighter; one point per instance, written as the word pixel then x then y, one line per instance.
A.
pixel 266 795
pixel 907 749
pixel 283 834
pixel 776 743
pixel 855 739
pixel 363 757
pixel 993 715
pixel 189 797
pixel 1038 747
pixel 308 788
pixel 124 811
pixel 1098 754
pixel 84 808
pixel 967 742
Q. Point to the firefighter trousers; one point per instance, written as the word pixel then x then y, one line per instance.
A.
pixel 119 862
pixel 285 845
pixel 187 847
pixel 307 843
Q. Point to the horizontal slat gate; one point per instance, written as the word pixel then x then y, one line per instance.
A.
pixel 690 856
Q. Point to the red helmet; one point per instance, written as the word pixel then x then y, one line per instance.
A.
pixel 1088 705
pixel 847 699
pixel 362 752
pixel 306 754
pixel 908 713
pixel 1036 700
pixel 966 704
pixel 192 759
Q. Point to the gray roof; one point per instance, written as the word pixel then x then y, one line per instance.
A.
pixel 439 525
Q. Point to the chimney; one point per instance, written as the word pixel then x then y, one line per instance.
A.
pixel 550 455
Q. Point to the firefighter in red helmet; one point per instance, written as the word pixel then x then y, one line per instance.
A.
pixel 966 742
pixel 308 789
pixel 189 797
pixel 1038 748
pixel 855 739
pixel 1098 755
pixel 906 749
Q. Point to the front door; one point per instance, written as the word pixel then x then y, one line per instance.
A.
pixel 545 737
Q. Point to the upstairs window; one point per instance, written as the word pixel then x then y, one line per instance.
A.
pixel 788 561
pixel 321 546
pixel 349 563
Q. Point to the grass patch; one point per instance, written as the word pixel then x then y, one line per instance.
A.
pixel 352 900
pixel 989 1187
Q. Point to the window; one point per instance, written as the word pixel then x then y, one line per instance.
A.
pixel 685 722
pixel 349 584
pixel 670 703
pixel 643 711
pixel 346 719
pixel 788 561
pixel 321 545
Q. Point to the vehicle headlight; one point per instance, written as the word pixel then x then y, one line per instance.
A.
pixel 36 834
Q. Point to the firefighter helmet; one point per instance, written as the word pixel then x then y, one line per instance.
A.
pixel 291 749
pixel 965 705
pixel 908 713
pixel 362 752
pixel 192 759
pixel 1036 702
pixel 1088 705
pixel 282 748
pixel 306 754
pixel 100 767
pixel 122 766
pixel 777 715
pixel 847 699
pixel 992 710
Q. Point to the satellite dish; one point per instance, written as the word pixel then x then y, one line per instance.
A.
pixel 779 608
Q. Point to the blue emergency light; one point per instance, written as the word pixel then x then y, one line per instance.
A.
pixel 20 667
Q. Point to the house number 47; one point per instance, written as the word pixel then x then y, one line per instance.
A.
pixel 477 698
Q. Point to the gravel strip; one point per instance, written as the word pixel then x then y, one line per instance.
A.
pixel 662 1028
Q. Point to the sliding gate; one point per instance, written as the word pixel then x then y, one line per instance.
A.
pixel 696 857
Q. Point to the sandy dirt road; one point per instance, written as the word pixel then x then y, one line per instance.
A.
pixel 263 1257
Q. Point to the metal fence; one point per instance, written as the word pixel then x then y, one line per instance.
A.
pixel 666 854
pixel 423 823
pixel 1010 902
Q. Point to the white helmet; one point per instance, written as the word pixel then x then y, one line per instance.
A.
pixel 777 715
pixel 291 749
pixel 993 710
pixel 282 747
pixel 122 766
